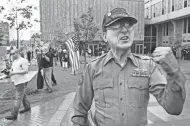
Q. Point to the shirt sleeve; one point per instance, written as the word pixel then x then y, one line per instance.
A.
pixel 83 99
pixel 169 91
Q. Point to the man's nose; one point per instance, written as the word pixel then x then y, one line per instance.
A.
pixel 124 29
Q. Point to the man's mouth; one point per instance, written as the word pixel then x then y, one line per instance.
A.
pixel 125 38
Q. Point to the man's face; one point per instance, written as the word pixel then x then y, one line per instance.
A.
pixel 120 34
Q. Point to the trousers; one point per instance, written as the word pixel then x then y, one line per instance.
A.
pixel 20 97
pixel 47 77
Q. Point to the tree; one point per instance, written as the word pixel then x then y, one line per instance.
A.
pixel 19 16
pixel 1 9
pixel 86 29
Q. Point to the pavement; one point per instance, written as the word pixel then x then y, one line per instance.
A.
pixel 58 112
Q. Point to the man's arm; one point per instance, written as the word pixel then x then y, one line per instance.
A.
pixel 169 91
pixel 47 57
pixel 172 96
pixel 83 99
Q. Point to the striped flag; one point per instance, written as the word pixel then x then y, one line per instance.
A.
pixel 73 47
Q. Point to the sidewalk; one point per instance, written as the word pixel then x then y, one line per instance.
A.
pixel 58 112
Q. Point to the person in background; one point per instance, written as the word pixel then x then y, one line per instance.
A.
pixel 22 52
pixel 29 56
pixel 61 57
pixel 65 59
pixel 53 54
pixel 47 61
pixel 8 60
pixel 18 73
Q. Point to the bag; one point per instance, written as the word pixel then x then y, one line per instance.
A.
pixel 40 80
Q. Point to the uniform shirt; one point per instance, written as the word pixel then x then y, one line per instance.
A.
pixel 18 65
pixel 121 99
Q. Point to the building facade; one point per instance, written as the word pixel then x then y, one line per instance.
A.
pixel 57 16
pixel 4 34
pixel 167 23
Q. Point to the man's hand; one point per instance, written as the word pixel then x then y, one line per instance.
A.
pixel 165 57
pixel 11 73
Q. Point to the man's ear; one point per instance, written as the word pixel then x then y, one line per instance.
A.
pixel 105 37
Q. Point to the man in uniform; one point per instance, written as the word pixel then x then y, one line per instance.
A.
pixel 120 81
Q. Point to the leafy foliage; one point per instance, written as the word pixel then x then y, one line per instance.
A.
pixel 85 26
pixel 20 16
pixel 1 9
pixel 36 35
pixel 86 29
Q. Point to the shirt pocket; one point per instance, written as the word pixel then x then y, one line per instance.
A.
pixel 103 90
pixel 138 92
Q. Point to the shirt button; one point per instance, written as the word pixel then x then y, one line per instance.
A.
pixel 122 114
pixel 121 99
pixel 120 83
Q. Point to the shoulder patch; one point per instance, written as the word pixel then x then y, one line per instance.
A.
pixel 99 57
pixel 142 56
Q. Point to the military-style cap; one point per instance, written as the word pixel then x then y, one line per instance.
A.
pixel 115 15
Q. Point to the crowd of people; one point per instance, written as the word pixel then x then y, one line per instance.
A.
pixel 17 63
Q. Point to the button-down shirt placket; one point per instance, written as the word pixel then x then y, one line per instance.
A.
pixel 121 87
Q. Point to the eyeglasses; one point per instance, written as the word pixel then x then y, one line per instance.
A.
pixel 119 25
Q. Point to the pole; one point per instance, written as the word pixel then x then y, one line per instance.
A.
pixel 17 29
pixel 18 46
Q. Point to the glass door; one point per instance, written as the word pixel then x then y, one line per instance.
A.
pixel 139 49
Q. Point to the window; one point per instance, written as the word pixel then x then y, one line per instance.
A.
pixel 169 7
pixel 185 3
pixel 188 25
pixel 185 26
pixel 162 7
pixel 173 3
pixel 165 29
pixel 147 13
pixel 153 10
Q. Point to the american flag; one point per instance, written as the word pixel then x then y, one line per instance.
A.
pixel 73 47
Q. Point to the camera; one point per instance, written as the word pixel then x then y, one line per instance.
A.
pixel 5 71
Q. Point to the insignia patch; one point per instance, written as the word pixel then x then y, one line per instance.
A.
pixel 109 14
pixel 81 80
pixel 140 73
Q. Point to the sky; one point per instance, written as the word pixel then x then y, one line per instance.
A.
pixel 25 34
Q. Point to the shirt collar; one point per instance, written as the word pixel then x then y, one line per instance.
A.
pixel 110 56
